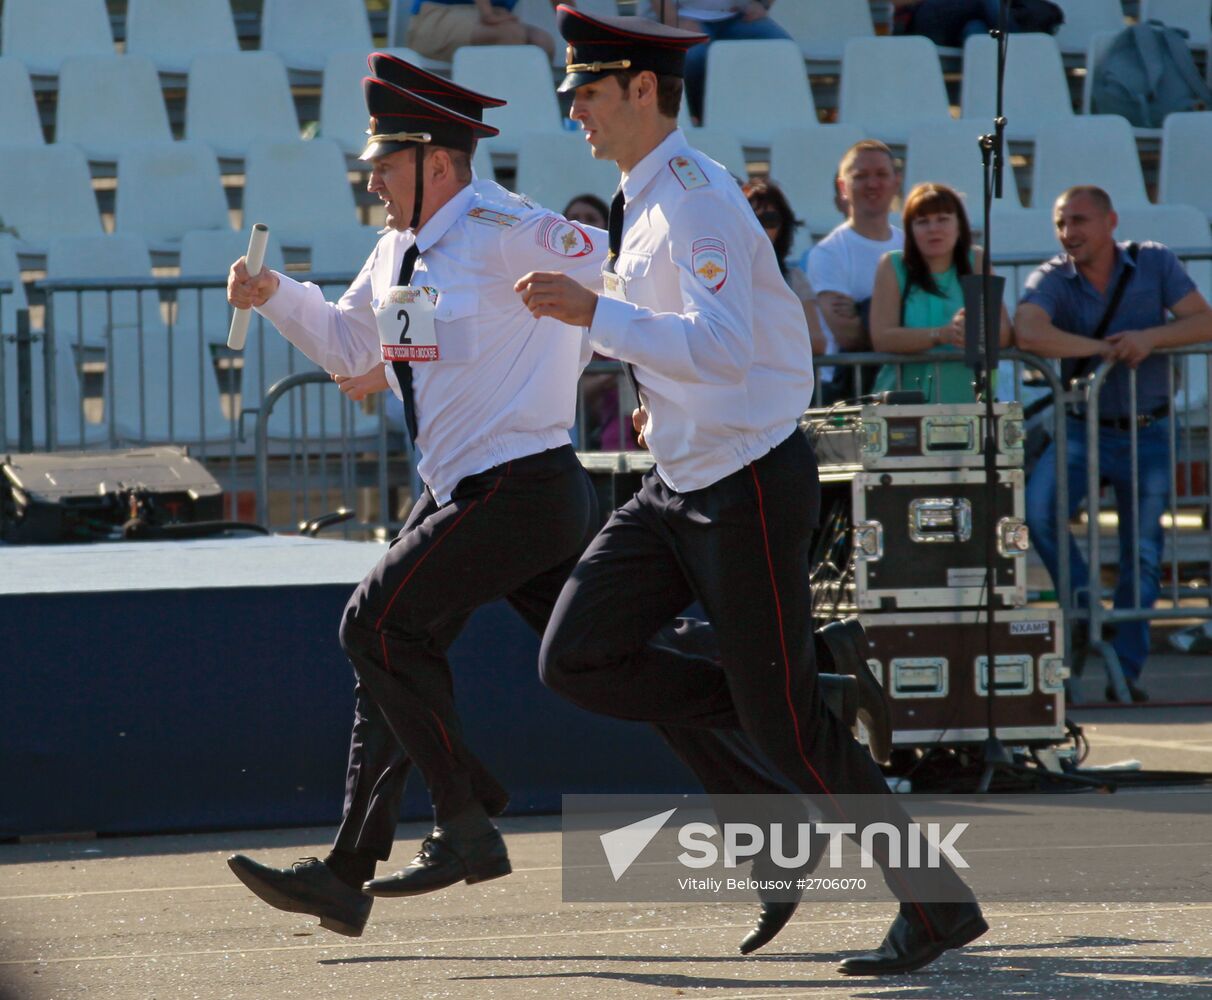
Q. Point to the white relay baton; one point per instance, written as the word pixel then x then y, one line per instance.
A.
pixel 253 261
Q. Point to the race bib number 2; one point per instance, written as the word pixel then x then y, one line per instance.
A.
pixel 406 324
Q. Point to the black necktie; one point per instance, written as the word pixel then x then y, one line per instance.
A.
pixel 614 228
pixel 403 369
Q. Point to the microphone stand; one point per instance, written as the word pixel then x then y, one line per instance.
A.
pixel 982 338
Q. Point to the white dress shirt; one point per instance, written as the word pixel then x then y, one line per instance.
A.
pixel 506 384
pixel 718 341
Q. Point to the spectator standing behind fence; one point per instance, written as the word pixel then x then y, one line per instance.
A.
pixel 1066 301
pixel 774 213
pixel 918 304
pixel 722 21
pixel 842 266
pixel 438 27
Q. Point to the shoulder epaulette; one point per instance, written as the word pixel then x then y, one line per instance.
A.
pixel 491 217
pixel 688 173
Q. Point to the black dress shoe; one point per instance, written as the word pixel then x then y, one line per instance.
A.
pixel 840 693
pixel 848 644
pixel 772 918
pixel 910 945
pixel 444 860
pixel 307 886
pixel 1138 694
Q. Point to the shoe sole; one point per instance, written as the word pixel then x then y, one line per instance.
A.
pixel 853 634
pixel 288 904
pixel 965 934
pixel 497 869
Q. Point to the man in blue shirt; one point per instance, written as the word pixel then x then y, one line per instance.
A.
pixel 1058 316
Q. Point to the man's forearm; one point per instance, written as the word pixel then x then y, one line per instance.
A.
pixel 1188 330
pixel 1054 343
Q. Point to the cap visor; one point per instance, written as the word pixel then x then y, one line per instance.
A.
pixel 378 149
pixel 574 80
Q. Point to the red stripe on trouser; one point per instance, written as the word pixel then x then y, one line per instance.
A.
pixel 441 728
pixel 799 743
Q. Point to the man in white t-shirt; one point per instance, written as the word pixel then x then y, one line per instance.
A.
pixel 842 266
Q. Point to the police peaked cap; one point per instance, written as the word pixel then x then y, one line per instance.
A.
pixel 399 118
pixel 599 46
pixel 406 76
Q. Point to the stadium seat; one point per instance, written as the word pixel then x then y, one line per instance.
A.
pixel 303 32
pixel 722 146
pixel 171 32
pixel 481 163
pixel 1083 19
pixel 1100 42
pixel 341 251
pixel 518 74
pixel 804 164
pixel 220 111
pixel 19 122
pixel 541 14
pixel 950 154
pixel 1027 232
pixel 822 28
pixel 742 76
pixel 125 325
pixel 890 85
pixel 342 104
pixel 45 192
pixel 166 189
pixel 553 169
pixel 1183 177
pixel 42 33
pixel 1087 149
pixel 108 103
pixel 1192 16
pixel 1036 89
pixel 297 188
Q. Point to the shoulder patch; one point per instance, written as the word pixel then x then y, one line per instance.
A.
pixel 563 238
pixel 688 173
pixel 709 261
pixel 491 217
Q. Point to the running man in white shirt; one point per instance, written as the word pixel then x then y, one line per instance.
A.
pixel 718 345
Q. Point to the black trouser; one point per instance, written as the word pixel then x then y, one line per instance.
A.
pixel 742 548
pixel 514 531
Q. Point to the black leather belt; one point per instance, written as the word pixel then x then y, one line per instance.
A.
pixel 1140 420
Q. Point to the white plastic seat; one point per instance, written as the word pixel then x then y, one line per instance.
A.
pixel 804 163
pixel 166 189
pixel 220 108
pixel 518 74
pixel 719 144
pixel 42 33
pixel 46 192
pixel 541 14
pixel 128 327
pixel 1192 16
pixel 19 122
pixel 1180 227
pixel 342 104
pixel 481 163
pixel 822 28
pixel 555 168
pixel 342 251
pixel 1036 89
pixel 171 32
pixel 108 103
pixel 297 188
pixel 1021 232
pixel 949 154
pixel 1087 149
pixel 742 76
pixel 1083 19
pixel 891 85
pixel 304 32
pixel 1184 177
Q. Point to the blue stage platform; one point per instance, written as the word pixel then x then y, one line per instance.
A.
pixel 170 686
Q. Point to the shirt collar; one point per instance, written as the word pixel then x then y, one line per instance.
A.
pixel 1122 259
pixel 441 220
pixel 643 173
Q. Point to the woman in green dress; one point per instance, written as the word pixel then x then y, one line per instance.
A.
pixel 918 305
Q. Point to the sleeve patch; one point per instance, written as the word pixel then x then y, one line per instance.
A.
pixel 709 261
pixel 491 217
pixel 563 238
pixel 688 173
